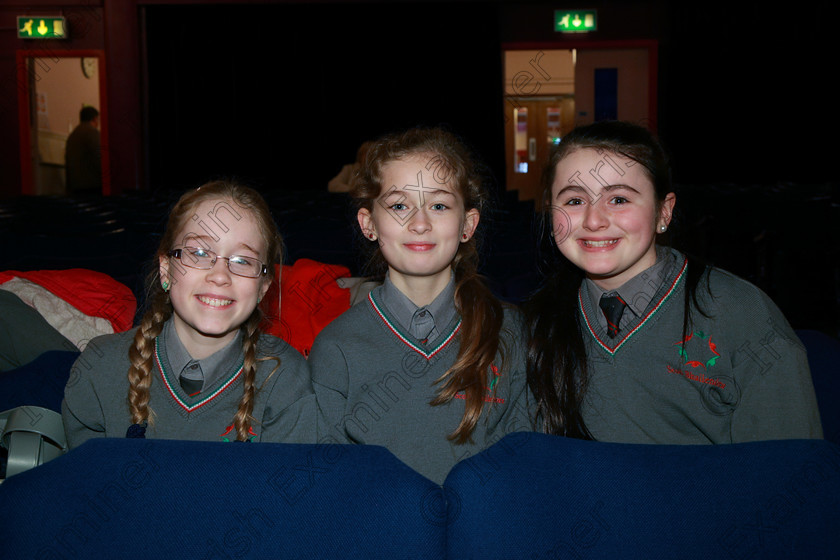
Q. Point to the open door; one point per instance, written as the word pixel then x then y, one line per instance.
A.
pixel 549 91
pixel 53 86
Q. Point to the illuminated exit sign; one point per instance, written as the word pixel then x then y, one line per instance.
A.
pixel 577 21
pixel 37 27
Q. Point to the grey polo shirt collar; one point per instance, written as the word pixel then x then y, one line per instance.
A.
pixel 636 292
pixel 423 323
pixel 210 368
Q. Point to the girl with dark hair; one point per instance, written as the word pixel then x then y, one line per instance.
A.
pixel 634 342
pixel 199 355
pixel 429 365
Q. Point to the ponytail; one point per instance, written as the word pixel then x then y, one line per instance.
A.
pixel 482 317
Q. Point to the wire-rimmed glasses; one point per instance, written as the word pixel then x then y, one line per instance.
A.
pixel 205 259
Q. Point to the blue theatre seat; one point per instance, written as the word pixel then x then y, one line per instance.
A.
pixel 38 383
pixel 824 362
pixel 115 498
pixel 539 497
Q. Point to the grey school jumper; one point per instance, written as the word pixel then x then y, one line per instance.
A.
pixel 95 399
pixel 739 375
pixel 374 383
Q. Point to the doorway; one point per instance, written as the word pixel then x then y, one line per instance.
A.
pixel 549 91
pixel 538 124
pixel 53 88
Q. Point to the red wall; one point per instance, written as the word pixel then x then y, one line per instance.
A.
pixel 109 25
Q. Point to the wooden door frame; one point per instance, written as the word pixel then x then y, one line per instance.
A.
pixel 25 115
pixel 535 120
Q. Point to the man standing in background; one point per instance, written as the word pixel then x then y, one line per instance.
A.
pixel 83 156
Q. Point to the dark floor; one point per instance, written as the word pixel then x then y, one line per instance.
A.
pixel 783 238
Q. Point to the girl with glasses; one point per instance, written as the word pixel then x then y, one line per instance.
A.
pixel 198 366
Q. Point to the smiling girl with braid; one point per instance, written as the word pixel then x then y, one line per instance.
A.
pixel 198 367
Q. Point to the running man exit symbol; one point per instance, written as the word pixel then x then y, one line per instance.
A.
pixel 41 27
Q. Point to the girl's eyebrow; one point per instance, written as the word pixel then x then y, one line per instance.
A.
pixel 248 247
pixel 198 237
pixel 621 186
pixel 570 188
pixel 606 188
pixel 425 193
pixel 405 191
pixel 438 192
pixel 208 242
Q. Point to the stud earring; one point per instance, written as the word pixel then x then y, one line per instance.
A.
pixel 663 229
pixel 371 236
pixel 464 236
pixel 165 286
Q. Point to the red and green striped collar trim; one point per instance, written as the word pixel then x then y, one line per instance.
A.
pixel 645 319
pixel 428 354
pixel 165 375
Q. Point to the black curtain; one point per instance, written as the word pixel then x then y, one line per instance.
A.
pixel 283 95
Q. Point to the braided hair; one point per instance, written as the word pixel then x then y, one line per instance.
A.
pixel 160 309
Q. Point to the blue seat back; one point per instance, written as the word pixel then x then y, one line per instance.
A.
pixel 176 499
pixel 824 362
pixel 545 497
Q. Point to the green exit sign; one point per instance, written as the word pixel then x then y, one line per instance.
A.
pixel 577 21
pixel 37 27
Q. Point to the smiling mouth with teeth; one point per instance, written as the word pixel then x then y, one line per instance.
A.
pixel 213 302
pixel 605 243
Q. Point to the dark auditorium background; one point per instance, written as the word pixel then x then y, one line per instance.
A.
pixel 281 94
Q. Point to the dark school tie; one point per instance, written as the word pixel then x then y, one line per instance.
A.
pixel 192 385
pixel 613 307
pixel 422 325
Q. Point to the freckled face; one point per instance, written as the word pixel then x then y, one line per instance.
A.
pixel 418 222
pixel 211 305
pixel 605 215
